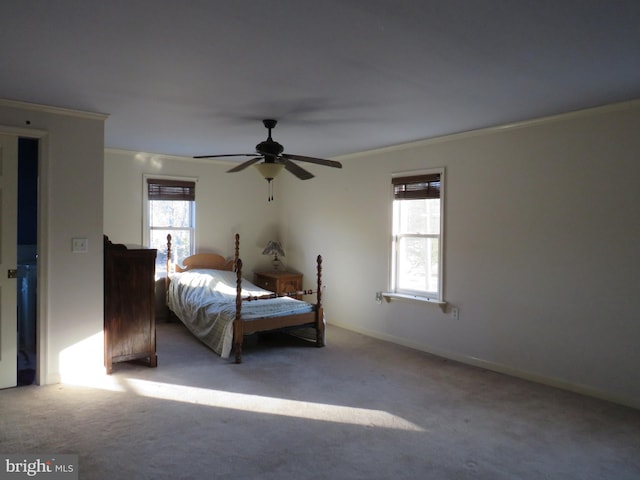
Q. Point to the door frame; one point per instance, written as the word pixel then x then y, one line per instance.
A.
pixel 42 371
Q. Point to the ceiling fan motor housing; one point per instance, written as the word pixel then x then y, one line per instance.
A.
pixel 269 148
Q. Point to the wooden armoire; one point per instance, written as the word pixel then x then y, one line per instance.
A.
pixel 129 305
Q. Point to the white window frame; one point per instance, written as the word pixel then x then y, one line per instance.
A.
pixel 146 228
pixel 394 291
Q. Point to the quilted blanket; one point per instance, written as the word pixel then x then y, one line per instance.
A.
pixel 205 301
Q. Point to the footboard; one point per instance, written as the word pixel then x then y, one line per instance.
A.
pixel 315 318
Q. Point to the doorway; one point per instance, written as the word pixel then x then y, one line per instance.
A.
pixel 27 295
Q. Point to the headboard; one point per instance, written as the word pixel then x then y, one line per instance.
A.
pixel 202 260
pixel 205 260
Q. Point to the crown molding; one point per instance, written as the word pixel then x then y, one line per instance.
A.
pixel 51 109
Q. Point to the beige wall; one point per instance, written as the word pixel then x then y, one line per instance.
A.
pixel 70 205
pixel 541 248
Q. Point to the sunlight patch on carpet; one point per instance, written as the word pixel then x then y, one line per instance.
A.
pixel 270 405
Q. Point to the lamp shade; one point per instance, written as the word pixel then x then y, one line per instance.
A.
pixel 273 248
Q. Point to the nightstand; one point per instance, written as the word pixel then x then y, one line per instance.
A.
pixel 279 282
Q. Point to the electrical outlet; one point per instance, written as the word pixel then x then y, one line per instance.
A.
pixel 455 313
pixel 379 297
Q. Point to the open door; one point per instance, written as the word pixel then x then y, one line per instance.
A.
pixel 8 260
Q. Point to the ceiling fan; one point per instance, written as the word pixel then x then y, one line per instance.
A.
pixel 273 159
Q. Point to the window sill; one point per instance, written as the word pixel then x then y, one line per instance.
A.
pixel 388 296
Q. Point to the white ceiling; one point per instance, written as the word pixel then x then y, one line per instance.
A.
pixel 341 76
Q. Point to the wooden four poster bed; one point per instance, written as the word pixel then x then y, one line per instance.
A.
pixel 208 294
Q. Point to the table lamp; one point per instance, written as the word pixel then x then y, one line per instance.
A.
pixel 274 248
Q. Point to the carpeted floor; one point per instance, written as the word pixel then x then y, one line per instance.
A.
pixel 357 409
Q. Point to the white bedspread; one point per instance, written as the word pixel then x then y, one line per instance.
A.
pixel 205 301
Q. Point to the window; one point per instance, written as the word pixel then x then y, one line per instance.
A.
pixel 417 235
pixel 171 209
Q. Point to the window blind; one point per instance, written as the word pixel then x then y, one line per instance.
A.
pixel 166 189
pixel 416 187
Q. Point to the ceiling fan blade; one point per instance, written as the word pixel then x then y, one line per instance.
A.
pixel 244 165
pixel 319 161
pixel 226 155
pixel 298 171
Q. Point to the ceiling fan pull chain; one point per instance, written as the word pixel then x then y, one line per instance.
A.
pixel 270 189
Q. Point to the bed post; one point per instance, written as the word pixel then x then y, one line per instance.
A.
pixel 166 278
pixel 238 333
pixel 319 309
pixel 237 253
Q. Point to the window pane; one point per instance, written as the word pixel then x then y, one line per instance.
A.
pixel 417 267
pixel 169 213
pixel 180 247
pixel 417 216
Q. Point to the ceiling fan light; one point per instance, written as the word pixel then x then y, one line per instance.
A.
pixel 269 170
